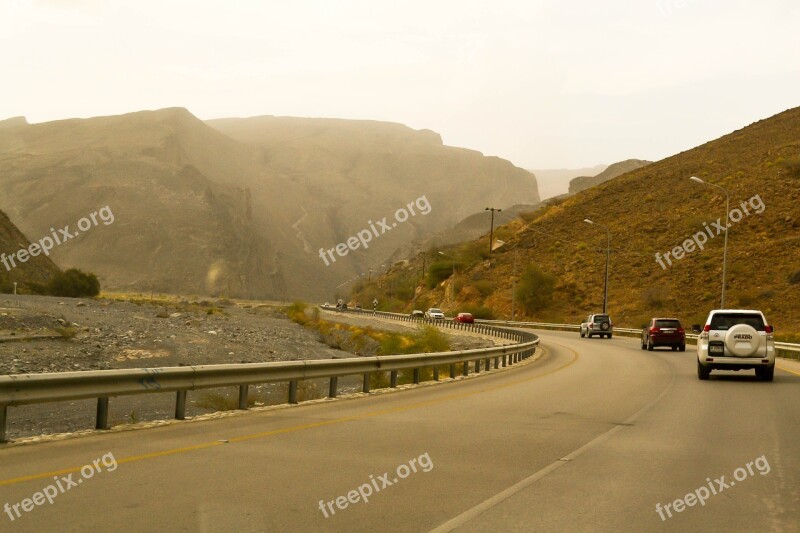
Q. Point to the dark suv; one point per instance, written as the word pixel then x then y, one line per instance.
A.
pixel 597 325
pixel 664 332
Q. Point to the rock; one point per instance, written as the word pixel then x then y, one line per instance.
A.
pixel 212 332
pixel 80 304
pixel 174 315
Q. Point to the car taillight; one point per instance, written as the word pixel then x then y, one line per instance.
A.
pixel 768 329
pixel 591 324
pixel 680 330
pixel 707 328
pixel 655 330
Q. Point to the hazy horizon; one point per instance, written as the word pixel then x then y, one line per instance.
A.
pixel 543 84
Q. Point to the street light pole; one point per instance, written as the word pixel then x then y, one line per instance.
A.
pixel 725 246
pixel 514 284
pixel 491 228
pixel 608 256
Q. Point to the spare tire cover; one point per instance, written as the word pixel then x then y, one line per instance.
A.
pixel 742 340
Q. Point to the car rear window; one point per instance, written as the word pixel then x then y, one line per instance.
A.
pixel 668 323
pixel 601 318
pixel 725 321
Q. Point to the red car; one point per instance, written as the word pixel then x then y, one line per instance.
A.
pixel 664 332
pixel 466 318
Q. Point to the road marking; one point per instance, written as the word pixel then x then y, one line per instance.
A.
pixel 466 516
pixel 789 371
pixel 291 429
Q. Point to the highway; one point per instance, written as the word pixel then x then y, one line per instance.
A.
pixel 590 436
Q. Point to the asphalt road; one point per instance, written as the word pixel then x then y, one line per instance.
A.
pixel 591 437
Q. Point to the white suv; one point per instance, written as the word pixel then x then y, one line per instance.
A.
pixel 736 339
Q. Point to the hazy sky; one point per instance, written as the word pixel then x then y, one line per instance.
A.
pixel 544 83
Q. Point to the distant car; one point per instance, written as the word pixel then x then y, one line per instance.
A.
pixel 597 325
pixel 341 306
pixel 466 318
pixel 736 339
pixel 416 313
pixel 434 314
pixel 664 332
pixel 358 306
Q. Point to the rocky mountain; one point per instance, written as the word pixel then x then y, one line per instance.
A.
pixel 239 207
pixel 617 169
pixel 555 181
pixel 32 269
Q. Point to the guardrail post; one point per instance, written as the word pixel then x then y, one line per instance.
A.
pixel 102 413
pixel 365 388
pixel 393 379
pixel 3 418
pixel 243 397
pixel 452 371
pixel 333 387
pixel 293 391
pixel 505 364
pixel 416 376
pixel 477 366
pixel 466 368
pixel 487 364
pixel 436 373
pixel 496 363
pixel 180 405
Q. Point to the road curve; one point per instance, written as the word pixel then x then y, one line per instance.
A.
pixel 590 437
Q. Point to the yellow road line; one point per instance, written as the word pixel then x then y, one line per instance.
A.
pixel 301 427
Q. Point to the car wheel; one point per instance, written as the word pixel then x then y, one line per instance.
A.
pixel 674 348
pixel 702 372
pixel 610 335
pixel 767 373
pixel 641 341
pixel 650 344
pixel 582 334
pixel 682 348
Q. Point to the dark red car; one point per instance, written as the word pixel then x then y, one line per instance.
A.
pixel 664 332
pixel 466 318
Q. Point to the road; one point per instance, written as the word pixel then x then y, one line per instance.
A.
pixel 590 437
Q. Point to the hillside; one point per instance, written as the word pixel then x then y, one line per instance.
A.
pixel 617 169
pixel 237 207
pixel 37 269
pixel 652 210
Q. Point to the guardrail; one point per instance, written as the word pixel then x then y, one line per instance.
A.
pixel 24 389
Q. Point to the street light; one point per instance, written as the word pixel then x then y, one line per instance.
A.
pixel 491 228
pixel 453 277
pixel 725 246
pixel 608 254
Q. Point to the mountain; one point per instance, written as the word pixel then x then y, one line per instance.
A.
pixel 654 210
pixel 34 269
pixel 617 169
pixel 555 182
pixel 239 207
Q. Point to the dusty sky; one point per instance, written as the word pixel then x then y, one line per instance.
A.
pixel 544 83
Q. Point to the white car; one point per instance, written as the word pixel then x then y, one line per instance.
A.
pixel 434 314
pixel 736 339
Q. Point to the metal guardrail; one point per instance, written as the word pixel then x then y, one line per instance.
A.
pixel 24 389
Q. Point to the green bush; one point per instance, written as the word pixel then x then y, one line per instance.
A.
pixel 535 290
pixel 74 284
pixel 438 272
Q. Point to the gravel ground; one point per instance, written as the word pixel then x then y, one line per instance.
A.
pixel 110 334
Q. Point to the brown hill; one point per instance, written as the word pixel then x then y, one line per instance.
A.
pixel 240 208
pixel 617 169
pixel 36 269
pixel 652 210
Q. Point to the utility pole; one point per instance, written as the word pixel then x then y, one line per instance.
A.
pixel 514 284
pixel 491 228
